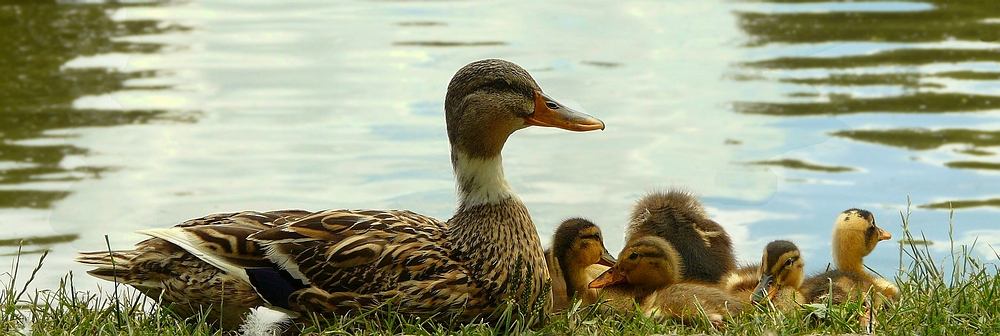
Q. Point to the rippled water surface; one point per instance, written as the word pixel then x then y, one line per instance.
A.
pixel 779 114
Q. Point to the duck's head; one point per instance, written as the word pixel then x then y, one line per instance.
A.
pixel 489 99
pixel 578 243
pixel 647 263
pixel 855 236
pixel 781 266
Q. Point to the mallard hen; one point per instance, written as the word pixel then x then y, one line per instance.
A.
pixel 340 262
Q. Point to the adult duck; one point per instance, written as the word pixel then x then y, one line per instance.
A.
pixel 340 262
pixel 677 216
pixel 648 274
pixel 576 258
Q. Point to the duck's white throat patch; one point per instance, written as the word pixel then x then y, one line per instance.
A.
pixel 480 181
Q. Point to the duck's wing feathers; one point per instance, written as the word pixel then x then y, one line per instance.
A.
pixel 221 239
pixel 362 256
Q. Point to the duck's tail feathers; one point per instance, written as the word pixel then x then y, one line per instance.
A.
pixel 114 266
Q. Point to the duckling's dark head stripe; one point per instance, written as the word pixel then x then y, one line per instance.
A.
pixel 659 247
pixel 776 249
pixel 864 214
pixel 563 239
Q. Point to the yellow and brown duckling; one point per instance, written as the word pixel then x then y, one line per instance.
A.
pixel 854 237
pixel 576 258
pixel 677 216
pixel 648 273
pixel 339 262
pixel 776 280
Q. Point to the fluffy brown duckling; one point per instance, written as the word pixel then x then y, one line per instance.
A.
pixel 576 258
pixel 648 273
pixel 776 279
pixel 706 251
pixel 854 237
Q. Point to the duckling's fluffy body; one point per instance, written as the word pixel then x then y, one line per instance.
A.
pixel 339 262
pixel 577 257
pixel 706 251
pixel 854 237
pixel 648 274
pixel 775 280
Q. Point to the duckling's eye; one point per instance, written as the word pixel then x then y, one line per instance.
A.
pixel 633 255
pixel 552 105
pixel 789 261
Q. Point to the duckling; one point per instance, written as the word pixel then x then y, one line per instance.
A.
pixel 776 279
pixel 678 217
pixel 648 273
pixel 340 262
pixel 854 237
pixel 577 257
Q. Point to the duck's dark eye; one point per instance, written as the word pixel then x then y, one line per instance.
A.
pixel 633 255
pixel 552 105
pixel 789 261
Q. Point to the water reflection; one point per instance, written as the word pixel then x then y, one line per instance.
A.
pixel 37 91
pixel 317 105
pixel 933 57
pixel 925 139
pixel 948 20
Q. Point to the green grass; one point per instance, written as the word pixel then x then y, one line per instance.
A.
pixel 957 299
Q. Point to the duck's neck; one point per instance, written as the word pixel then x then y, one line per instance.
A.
pixel 480 180
pixel 492 230
pixel 847 255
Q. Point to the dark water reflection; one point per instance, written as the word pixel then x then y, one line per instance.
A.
pixel 948 20
pixel 37 91
pixel 936 60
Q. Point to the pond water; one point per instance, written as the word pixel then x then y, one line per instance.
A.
pixel 779 114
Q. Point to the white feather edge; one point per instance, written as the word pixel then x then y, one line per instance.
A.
pixel 264 321
pixel 188 242
pixel 285 262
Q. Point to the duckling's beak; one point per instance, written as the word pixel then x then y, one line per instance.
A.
pixel 883 234
pixel 610 277
pixel 607 259
pixel 766 284
pixel 550 113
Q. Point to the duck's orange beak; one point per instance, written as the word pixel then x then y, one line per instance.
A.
pixel 550 113
pixel 610 277
pixel 607 259
pixel 883 234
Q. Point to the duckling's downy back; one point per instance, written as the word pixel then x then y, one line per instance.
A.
pixel 678 217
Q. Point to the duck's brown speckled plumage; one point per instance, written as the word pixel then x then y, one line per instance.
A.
pixel 175 277
pixel 345 261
